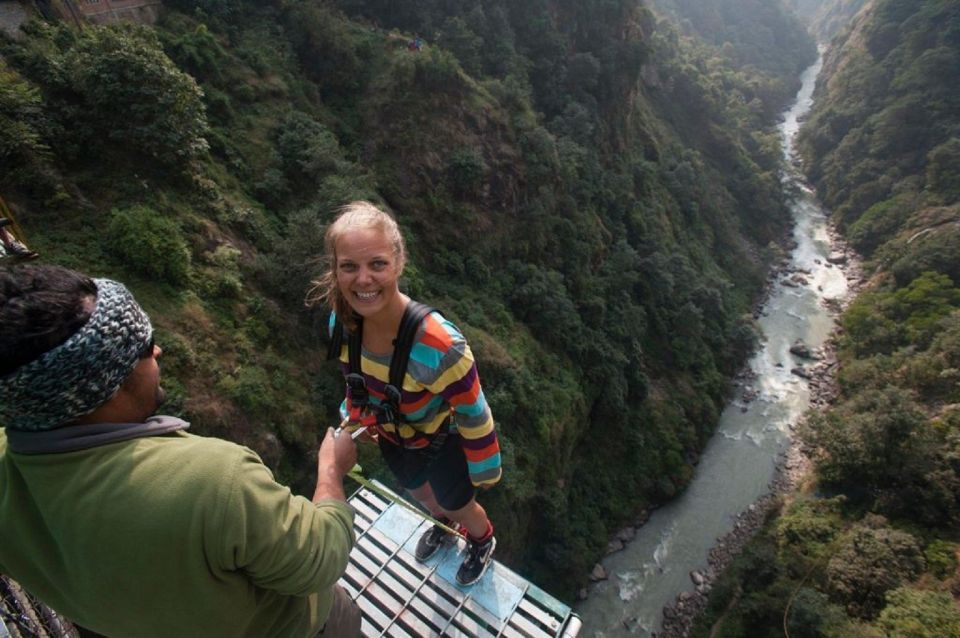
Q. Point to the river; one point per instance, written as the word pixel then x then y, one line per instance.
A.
pixel 740 460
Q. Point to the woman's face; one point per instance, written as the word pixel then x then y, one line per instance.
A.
pixel 367 271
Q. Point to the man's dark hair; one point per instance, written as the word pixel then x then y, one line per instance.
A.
pixel 40 308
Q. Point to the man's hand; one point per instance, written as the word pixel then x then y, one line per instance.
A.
pixel 339 451
pixel 337 455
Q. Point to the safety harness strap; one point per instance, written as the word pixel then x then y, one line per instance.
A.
pixel 413 316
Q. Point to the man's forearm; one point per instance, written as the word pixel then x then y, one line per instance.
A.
pixel 329 485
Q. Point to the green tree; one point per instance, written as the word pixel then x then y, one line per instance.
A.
pixel 880 223
pixel 873 560
pixel 868 443
pixel 812 615
pixel 134 96
pixel 23 150
pixel 464 43
pixel 308 150
pixel 923 304
pixel 942 177
pixel 917 613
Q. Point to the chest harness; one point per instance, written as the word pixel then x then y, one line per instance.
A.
pixel 362 410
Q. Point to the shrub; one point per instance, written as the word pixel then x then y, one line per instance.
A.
pixel 466 170
pixel 809 524
pixel 942 558
pixel 149 243
pixel 914 613
pixel 934 252
pixel 923 304
pixel 879 224
pixel 437 70
pixel 223 277
pixel 250 387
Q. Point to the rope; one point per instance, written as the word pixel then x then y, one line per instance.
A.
pixel 14 225
pixel 393 498
pixel 793 596
pixel 355 474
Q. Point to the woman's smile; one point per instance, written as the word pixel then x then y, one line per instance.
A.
pixel 367 296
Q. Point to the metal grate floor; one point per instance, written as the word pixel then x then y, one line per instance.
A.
pixel 400 596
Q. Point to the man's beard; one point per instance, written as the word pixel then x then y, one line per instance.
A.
pixel 160 396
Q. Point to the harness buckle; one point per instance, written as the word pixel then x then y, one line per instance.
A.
pixel 359 396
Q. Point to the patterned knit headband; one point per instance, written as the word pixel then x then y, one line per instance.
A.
pixel 83 372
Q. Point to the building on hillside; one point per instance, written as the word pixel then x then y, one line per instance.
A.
pixel 13 13
pixel 104 11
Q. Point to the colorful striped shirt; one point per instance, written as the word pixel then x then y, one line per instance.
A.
pixel 441 382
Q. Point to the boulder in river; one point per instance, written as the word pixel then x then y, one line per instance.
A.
pixel 598 573
pixel 627 534
pixel 801 349
pixel 801 372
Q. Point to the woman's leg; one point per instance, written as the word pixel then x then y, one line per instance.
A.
pixel 424 495
pixel 472 515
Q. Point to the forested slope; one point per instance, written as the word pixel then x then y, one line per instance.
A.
pixel 589 193
pixel 873 548
pixel 827 18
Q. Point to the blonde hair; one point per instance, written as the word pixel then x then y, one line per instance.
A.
pixel 355 215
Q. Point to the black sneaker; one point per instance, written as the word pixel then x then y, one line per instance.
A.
pixel 476 562
pixel 4 221
pixel 431 541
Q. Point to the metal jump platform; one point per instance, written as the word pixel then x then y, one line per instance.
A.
pixel 400 596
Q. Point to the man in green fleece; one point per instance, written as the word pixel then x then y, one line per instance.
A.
pixel 124 522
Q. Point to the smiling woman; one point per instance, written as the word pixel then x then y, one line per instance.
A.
pixel 362 247
pixel 368 273
pixel 435 430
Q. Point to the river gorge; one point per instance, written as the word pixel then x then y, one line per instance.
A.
pixel 658 580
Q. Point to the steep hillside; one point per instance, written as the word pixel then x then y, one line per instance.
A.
pixel 827 18
pixel 590 195
pixel 755 35
pixel 872 548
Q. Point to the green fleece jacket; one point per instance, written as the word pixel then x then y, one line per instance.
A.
pixel 170 535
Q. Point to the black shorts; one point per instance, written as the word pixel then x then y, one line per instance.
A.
pixel 445 469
